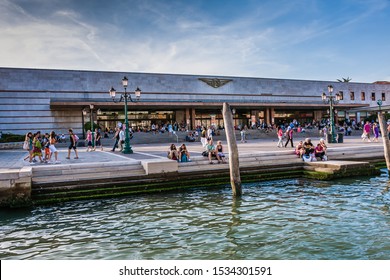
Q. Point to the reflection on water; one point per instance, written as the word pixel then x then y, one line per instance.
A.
pixel 286 219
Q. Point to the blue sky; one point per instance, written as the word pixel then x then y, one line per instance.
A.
pixel 291 39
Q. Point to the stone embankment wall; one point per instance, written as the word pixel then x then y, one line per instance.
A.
pixel 57 183
pixel 15 187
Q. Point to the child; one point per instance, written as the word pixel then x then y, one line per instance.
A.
pixel 89 140
pixel 52 147
pixel 37 147
pixel 46 145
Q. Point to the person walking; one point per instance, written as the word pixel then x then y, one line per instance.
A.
pixel 209 133
pixel 243 135
pixel 37 147
pixel 89 141
pixel 29 146
pixel 367 131
pixel 170 129
pixel 121 140
pixel 53 150
pixel 116 137
pixel 98 140
pixel 72 144
pixel 375 129
pixel 280 137
pixel 203 138
pixel 289 135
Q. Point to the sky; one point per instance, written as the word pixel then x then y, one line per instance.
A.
pixel 288 39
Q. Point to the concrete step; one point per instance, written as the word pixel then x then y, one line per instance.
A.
pixel 85 169
pixel 335 166
pixel 86 176
pixel 318 169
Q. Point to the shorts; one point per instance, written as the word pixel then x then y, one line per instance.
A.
pixel 72 146
pixel 98 143
pixel 89 143
pixel 52 149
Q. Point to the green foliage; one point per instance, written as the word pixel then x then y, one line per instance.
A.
pixel 9 137
pixel 374 117
pixel 87 126
pixel 344 80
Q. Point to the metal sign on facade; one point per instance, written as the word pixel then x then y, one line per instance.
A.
pixel 215 82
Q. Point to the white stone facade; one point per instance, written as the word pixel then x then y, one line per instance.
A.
pixel 45 100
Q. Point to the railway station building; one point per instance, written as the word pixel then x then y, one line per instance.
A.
pixel 45 100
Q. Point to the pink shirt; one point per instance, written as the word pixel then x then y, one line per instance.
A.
pixel 367 128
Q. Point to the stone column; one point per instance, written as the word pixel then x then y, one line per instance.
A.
pixel 187 119
pixel 267 117
pixel 272 115
pixel 193 117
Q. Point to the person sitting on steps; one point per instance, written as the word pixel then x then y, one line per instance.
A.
pixel 212 151
pixel 220 151
pixel 173 153
pixel 299 151
pixel 184 155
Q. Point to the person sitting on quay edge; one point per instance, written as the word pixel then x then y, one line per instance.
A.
pixel 184 155
pixel 220 152
pixel 299 151
pixel 308 147
pixel 212 151
pixel 173 153
pixel 322 142
pixel 190 137
pixel 319 152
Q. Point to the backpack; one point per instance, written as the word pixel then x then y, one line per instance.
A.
pixel 76 138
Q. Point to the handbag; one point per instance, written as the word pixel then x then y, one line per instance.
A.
pixel 25 145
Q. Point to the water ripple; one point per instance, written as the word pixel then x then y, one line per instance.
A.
pixel 285 219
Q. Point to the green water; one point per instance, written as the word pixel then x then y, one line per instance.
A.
pixel 286 219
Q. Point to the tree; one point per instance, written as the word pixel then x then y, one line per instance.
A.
pixel 87 126
pixel 344 80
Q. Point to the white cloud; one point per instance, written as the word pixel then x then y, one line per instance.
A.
pixel 156 37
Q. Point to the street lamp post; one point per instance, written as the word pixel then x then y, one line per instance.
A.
pixel 91 106
pixel 379 102
pixel 127 149
pixel 332 100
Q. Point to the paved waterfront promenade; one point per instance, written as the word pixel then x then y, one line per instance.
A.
pixel 13 159
pixel 102 174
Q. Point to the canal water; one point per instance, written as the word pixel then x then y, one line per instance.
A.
pixel 284 219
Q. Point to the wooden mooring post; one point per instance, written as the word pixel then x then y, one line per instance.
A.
pixel 385 138
pixel 234 164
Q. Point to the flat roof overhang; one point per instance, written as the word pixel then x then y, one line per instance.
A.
pixel 143 105
pixel 373 109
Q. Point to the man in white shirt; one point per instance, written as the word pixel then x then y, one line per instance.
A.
pixel 121 139
pixel 209 133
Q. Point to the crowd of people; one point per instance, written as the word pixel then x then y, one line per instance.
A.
pixel 41 146
pixel 181 154
pixel 211 151
pixel 308 152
